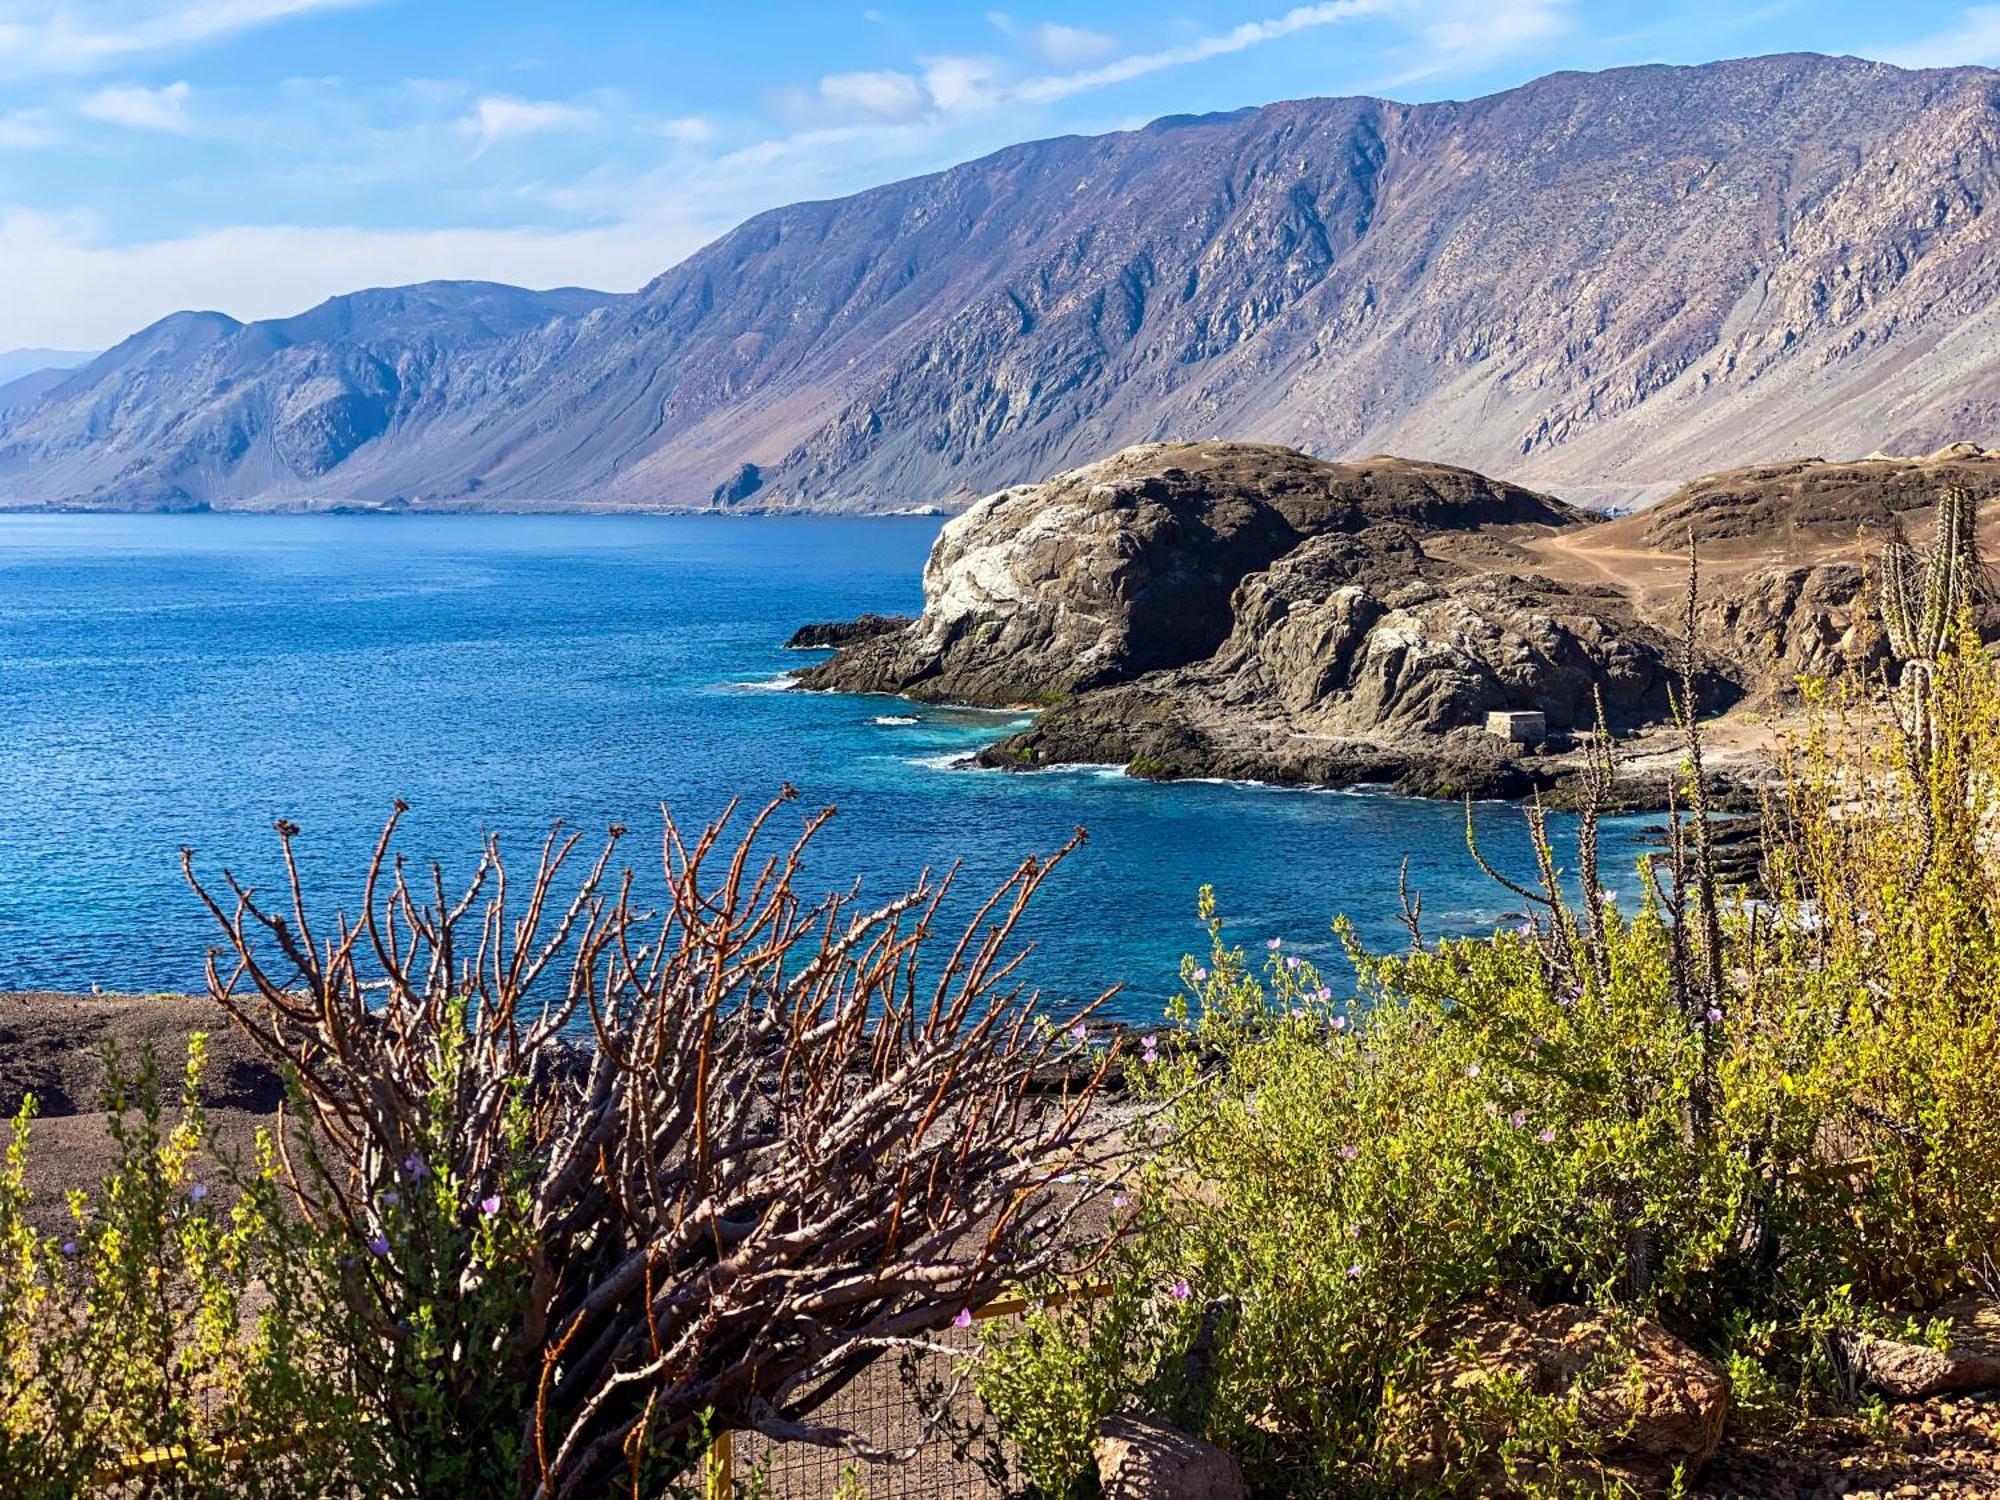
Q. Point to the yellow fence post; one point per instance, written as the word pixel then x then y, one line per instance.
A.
pixel 721 1468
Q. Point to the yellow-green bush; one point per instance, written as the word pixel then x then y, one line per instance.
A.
pixel 1757 1138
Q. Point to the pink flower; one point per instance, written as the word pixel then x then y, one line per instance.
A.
pixel 1340 1023
pixel 1547 1137
pixel 1517 1119
pixel 1200 974
pixel 964 1318
pixel 1275 944
pixel 1179 1291
pixel 1149 1041
pixel 1353 1272
pixel 1349 1152
pixel 1149 1056
pixel 1078 1032
pixel 1322 994
pixel 1714 1016
pixel 1120 1200
pixel 490 1205
pixel 1472 1071
pixel 1291 960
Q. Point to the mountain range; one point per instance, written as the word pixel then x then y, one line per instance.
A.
pixel 1598 284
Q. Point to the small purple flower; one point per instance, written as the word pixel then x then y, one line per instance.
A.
pixel 964 1318
pixel 1179 1290
pixel 1149 1041
pixel 1349 1151
pixel 1078 1032
pixel 1275 944
pixel 415 1167
pixel 198 1192
pixel 1472 1070
pixel 1548 1135
pixel 69 1247
pixel 1322 994
pixel 1149 1056
pixel 1340 1023
pixel 1119 1200
pixel 1291 960
pixel 1354 1272
pixel 490 1205
pixel 1517 1119
pixel 1298 1012
pixel 379 1245
pixel 1714 1016
pixel 1200 974
pixel 1527 929
pixel 390 1198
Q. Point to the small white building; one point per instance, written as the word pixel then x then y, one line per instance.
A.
pixel 1522 726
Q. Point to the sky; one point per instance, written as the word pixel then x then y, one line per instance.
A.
pixel 256 156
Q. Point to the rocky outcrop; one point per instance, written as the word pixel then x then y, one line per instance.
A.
pixel 1965 1357
pixel 829 634
pixel 1243 610
pixel 1650 1407
pixel 1138 1459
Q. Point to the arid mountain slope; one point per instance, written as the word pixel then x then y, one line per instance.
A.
pixel 1597 284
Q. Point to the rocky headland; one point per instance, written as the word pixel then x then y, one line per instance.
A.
pixel 1243 610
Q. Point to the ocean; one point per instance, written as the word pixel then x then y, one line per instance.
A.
pixel 186 680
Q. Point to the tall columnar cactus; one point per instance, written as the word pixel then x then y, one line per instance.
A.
pixel 1923 597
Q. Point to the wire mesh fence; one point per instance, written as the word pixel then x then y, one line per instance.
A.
pixel 919 1405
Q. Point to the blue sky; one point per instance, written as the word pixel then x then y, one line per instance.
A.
pixel 257 155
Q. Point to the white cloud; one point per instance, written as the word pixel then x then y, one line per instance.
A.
pixel 162 109
pixel 1974 38
pixel 1071 46
pixel 691 128
pixel 883 95
pixel 1238 39
pixel 499 116
pixel 83 36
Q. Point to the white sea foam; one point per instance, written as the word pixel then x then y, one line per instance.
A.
pixel 895 719
pixel 776 684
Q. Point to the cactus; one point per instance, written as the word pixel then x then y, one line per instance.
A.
pixel 1924 597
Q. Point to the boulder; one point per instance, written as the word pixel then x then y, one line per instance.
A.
pixel 835 633
pixel 1968 1361
pixel 1139 1459
pixel 1649 1404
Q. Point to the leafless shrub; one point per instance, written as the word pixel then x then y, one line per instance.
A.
pixel 780 1148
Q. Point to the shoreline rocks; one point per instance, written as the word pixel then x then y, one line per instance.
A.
pixel 1244 611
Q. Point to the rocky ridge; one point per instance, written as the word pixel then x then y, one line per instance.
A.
pixel 1596 283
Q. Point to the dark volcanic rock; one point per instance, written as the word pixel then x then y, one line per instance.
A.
pixel 845 632
pixel 738 487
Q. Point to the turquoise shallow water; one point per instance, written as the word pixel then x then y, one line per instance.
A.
pixel 170 680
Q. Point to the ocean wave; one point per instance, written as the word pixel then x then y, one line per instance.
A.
pixel 895 719
pixel 777 684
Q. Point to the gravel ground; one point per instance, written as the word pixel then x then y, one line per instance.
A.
pixel 1947 1446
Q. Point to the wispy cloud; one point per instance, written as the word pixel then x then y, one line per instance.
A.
pixel 1058 45
pixel 85 36
pixel 500 116
pixel 1974 38
pixel 162 109
pixel 27 130
pixel 883 95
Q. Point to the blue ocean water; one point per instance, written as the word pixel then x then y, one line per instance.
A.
pixel 171 680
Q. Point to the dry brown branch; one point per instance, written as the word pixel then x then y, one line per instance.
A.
pixel 754 1139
